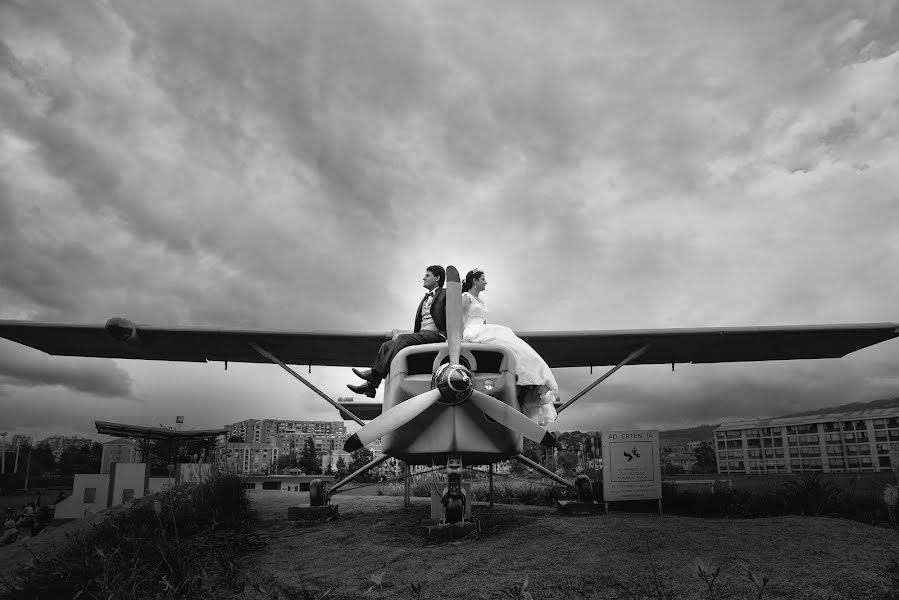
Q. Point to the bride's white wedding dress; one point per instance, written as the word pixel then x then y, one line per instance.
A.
pixel 532 370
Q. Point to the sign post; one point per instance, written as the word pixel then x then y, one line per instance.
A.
pixel 631 466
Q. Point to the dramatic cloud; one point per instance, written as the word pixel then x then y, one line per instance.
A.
pixel 297 165
pixel 26 367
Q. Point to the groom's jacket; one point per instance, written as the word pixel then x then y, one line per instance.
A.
pixel 438 311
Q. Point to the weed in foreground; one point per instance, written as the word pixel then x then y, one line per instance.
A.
pixel 184 542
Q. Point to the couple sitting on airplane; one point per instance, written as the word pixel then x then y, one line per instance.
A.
pixel 536 383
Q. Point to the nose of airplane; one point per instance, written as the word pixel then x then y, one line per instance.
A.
pixel 454 382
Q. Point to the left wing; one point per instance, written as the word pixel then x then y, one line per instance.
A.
pixel 122 339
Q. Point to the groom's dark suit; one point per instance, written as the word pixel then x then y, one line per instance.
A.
pixel 389 349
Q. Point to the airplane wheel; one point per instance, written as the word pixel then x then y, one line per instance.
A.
pixel 316 492
pixel 584 489
pixel 454 510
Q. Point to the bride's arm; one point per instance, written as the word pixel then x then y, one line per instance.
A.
pixel 466 306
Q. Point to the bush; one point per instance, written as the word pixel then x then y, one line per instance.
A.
pixel 182 542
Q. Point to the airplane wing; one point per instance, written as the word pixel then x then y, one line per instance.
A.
pixel 706 345
pixel 342 349
pixel 191 344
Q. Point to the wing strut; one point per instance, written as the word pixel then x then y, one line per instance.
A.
pixel 356 474
pixel 632 356
pixel 540 469
pixel 278 362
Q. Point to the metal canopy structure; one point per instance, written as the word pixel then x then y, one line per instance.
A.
pixel 145 434
pixel 155 433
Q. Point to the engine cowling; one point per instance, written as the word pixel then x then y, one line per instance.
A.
pixel 123 330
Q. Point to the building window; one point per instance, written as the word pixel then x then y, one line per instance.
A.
pixel 90 495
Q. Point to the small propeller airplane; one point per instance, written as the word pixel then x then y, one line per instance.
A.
pixel 450 404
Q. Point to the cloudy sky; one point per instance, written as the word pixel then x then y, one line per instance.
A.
pixel 296 165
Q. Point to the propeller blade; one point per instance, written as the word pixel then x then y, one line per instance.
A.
pixel 453 314
pixel 513 419
pixel 391 420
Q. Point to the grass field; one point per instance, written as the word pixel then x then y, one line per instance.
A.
pixel 376 549
pixel 565 557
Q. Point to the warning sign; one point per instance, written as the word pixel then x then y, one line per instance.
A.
pixel 631 468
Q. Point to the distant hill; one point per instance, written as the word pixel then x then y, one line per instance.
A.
pixel 701 433
pixel 851 407
pixel 706 432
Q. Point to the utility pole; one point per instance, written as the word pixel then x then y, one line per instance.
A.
pixel 4 452
pixel 27 467
pixel 18 443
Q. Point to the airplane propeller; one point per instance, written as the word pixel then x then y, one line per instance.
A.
pixel 453 386
pixel 504 414
pixel 391 420
pixel 454 324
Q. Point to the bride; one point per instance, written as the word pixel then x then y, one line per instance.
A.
pixel 535 378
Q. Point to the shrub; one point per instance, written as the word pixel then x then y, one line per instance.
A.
pixel 182 542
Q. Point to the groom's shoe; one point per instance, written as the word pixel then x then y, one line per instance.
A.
pixel 367 375
pixel 367 388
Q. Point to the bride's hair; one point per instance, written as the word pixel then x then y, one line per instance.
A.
pixel 470 277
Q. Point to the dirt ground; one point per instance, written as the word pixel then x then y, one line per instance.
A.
pixel 566 556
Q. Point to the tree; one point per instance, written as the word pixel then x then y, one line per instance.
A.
pixel 359 459
pixel 531 450
pixel 78 460
pixel 567 461
pixel 308 460
pixel 43 463
pixel 286 461
pixel 706 461
pixel 342 470
pixel 235 439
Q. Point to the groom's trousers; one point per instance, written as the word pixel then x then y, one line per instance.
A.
pixel 391 348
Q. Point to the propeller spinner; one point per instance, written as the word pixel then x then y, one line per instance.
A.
pixel 453 384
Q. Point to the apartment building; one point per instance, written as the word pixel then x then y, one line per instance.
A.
pixel 249 458
pixel 290 436
pixel 58 443
pixel 830 443
pixel 119 450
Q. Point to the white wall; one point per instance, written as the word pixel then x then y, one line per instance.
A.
pixel 74 506
pixel 127 476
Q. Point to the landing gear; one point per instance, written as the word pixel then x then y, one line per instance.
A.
pixel 454 520
pixel 455 508
pixel 454 499
pixel 584 489
pixel 317 494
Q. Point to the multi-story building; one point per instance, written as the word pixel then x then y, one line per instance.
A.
pixel 290 436
pixel 58 443
pixel 250 458
pixel 254 431
pixel 681 459
pixel 831 443
pixel 21 440
pixel 120 450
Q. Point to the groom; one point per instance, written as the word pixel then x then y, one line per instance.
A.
pixel 430 327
